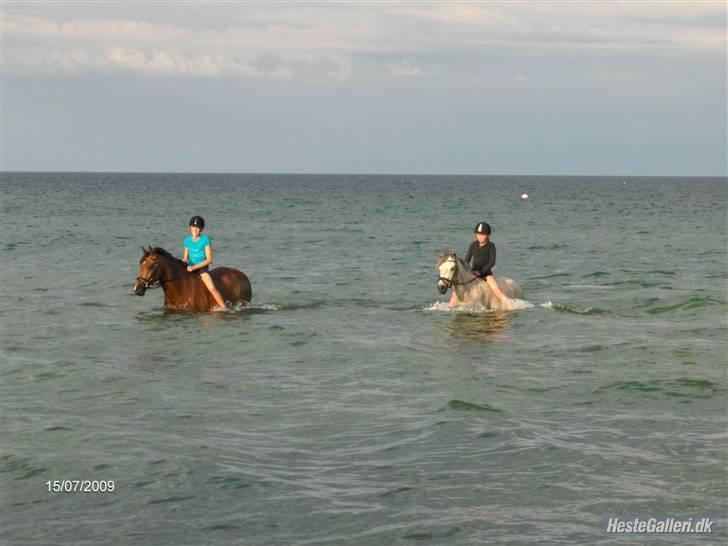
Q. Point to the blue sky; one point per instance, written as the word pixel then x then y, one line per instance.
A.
pixel 595 88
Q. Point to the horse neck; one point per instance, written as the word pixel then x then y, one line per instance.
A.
pixel 169 270
pixel 462 284
pixel 464 274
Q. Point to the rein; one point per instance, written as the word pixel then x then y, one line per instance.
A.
pixel 450 283
pixel 150 284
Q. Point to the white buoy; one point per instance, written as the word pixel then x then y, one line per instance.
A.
pixel 524 196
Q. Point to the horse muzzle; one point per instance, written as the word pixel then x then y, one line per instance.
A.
pixel 138 289
pixel 442 287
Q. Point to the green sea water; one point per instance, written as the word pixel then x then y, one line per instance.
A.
pixel 347 404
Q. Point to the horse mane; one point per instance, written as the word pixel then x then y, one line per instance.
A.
pixel 444 256
pixel 447 255
pixel 463 268
pixel 159 251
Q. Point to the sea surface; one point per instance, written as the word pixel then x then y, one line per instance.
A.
pixel 348 405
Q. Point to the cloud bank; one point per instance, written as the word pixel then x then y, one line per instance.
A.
pixel 340 41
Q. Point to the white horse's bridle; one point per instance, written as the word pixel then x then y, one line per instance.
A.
pixel 449 283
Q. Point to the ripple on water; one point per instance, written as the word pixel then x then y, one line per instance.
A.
pixel 172 499
pixel 692 303
pixel 22 468
pixel 680 387
pixel 462 405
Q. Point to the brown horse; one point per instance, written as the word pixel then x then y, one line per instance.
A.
pixel 185 290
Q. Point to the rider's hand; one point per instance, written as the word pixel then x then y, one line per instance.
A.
pixel 189 268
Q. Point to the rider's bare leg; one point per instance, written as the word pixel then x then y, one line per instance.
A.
pixel 495 288
pixel 454 302
pixel 207 279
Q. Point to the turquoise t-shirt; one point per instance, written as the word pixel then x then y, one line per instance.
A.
pixel 197 248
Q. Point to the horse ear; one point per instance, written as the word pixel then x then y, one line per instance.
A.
pixel 145 251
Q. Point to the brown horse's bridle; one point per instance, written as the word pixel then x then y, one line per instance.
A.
pixel 150 283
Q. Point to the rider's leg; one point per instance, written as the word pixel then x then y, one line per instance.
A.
pixel 207 279
pixel 495 288
pixel 453 300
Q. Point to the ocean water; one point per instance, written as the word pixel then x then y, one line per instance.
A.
pixel 347 404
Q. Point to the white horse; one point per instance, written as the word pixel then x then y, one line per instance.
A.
pixel 471 290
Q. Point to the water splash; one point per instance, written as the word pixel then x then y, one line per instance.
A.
pixel 253 307
pixel 475 308
pixel 551 306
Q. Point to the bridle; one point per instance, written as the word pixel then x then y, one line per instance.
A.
pixel 449 283
pixel 150 283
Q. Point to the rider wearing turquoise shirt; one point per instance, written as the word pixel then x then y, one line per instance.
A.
pixel 198 254
pixel 196 249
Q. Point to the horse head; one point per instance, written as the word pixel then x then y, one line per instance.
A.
pixel 447 266
pixel 149 272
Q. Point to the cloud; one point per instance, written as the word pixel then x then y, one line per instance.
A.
pixel 292 40
pixel 162 63
pixel 406 68
pixel 36 45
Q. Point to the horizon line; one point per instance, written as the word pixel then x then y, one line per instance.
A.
pixel 304 173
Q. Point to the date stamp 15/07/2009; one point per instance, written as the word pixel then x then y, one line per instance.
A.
pixel 80 486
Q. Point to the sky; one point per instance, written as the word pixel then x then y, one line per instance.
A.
pixel 539 87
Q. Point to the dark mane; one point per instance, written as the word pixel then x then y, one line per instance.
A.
pixel 159 251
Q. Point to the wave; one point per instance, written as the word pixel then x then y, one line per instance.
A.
pixel 462 405
pixel 553 276
pixel 597 274
pixel 683 387
pixel 572 309
pixel 688 304
pixel 255 307
pixel 301 306
pixel 555 246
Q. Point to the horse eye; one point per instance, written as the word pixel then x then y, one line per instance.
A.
pixel 452 268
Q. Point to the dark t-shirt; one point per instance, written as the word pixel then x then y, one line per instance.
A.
pixel 483 257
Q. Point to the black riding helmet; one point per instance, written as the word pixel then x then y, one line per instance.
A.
pixel 483 227
pixel 197 221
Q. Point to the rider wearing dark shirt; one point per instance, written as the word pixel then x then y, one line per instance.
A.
pixel 483 258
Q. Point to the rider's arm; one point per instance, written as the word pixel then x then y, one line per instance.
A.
pixel 469 255
pixel 208 255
